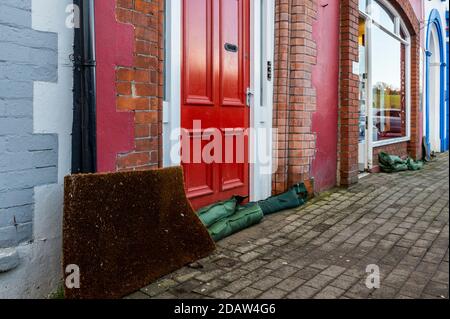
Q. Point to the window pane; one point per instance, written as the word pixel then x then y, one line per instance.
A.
pixel 388 80
pixel 402 34
pixel 382 16
pixel 363 5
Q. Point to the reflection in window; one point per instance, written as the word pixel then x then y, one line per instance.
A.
pixel 388 81
pixel 382 16
pixel 363 5
pixel 362 80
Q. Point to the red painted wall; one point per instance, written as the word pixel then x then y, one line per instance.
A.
pixel 325 80
pixel 418 7
pixel 114 45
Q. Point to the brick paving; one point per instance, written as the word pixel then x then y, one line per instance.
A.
pixel 398 222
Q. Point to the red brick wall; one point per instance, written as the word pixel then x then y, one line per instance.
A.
pixel 294 94
pixel 348 91
pixel 348 88
pixel 139 88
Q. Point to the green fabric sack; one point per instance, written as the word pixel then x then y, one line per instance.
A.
pixel 245 216
pixel 394 168
pixel 301 191
pixel 414 165
pixel 390 160
pixel 213 213
pixel 392 163
pixel 293 198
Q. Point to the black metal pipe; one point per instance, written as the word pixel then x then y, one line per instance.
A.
pixel 84 133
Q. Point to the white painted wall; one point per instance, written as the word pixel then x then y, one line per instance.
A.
pixel 40 272
pixel 434 88
pixel 434 94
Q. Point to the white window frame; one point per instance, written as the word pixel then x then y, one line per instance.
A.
pixel 399 26
pixel 261 109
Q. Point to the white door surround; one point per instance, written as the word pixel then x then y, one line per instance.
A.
pixel 434 94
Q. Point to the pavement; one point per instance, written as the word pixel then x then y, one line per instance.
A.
pixel 386 237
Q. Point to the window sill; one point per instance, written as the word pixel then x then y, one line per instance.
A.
pixel 391 141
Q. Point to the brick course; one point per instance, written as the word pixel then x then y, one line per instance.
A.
pixel 140 87
pixel 348 90
pixel 294 94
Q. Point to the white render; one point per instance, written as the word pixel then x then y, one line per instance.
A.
pixel 39 272
pixel 435 85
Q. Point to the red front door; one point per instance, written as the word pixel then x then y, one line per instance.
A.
pixel 214 111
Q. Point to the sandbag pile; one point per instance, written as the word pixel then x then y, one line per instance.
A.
pixel 226 218
pixel 293 198
pixel 244 217
pixel 394 164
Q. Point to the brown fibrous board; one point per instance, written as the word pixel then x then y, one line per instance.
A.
pixel 126 230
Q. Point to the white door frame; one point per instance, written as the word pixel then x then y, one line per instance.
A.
pixel 434 94
pixel 262 31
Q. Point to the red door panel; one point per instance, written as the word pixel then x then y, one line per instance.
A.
pixel 231 63
pixel 199 177
pixel 198 69
pixel 215 77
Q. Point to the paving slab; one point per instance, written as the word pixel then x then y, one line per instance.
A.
pixel 394 225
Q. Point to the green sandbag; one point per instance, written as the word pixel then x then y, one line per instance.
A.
pixel 293 198
pixel 213 213
pixel 392 163
pixel 301 191
pixel 390 160
pixel 414 165
pixel 245 216
pixel 393 168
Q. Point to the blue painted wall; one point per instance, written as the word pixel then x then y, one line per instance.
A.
pixel 435 20
pixel 447 68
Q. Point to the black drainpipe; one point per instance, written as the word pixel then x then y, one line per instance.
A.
pixel 84 137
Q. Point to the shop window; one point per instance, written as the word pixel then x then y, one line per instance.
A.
pixel 388 47
pixel 382 16
pixel 388 81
